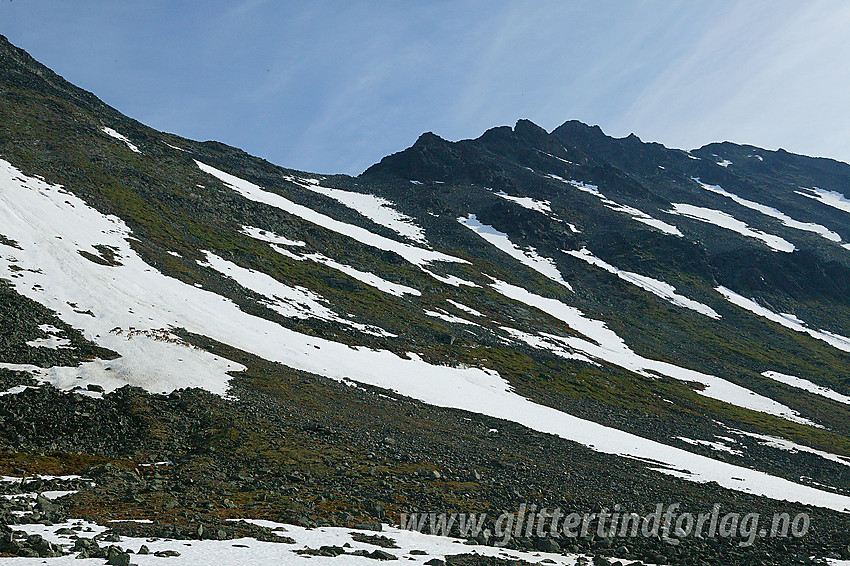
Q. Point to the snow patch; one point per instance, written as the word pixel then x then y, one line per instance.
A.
pixel 53 343
pixel 99 299
pixel 15 390
pixel 452 280
pixel 251 552
pixel 529 257
pixel 605 345
pixel 654 286
pixel 464 308
pixel 729 222
pixel 377 209
pixel 544 342
pixel 113 134
pixel 18 479
pixel 443 315
pixel 829 198
pixel 270 237
pixel 719 446
pixel 294 302
pixel 789 446
pixel 48 494
pixel 415 255
pixel 177 148
pixel 785 319
pixel 543 206
pixel 363 276
pixel 636 214
pixel 822 231
pixel 807 385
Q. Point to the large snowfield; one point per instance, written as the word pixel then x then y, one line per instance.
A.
pixel 50 225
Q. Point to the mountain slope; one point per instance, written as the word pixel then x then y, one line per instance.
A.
pixel 478 308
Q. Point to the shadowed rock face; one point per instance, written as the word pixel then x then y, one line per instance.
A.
pixel 654 176
pixel 571 215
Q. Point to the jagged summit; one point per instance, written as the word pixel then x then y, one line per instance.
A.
pixel 434 158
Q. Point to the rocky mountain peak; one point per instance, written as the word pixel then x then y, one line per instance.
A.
pixel 532 132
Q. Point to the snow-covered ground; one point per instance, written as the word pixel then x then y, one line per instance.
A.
pixel 818 229
pixel 377 209
pixel 729 222
pixel 251 552
pixel 529 257
pixel 786 319
pixel 807 385
pixel 654 286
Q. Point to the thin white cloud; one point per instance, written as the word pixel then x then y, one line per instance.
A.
pixel 771 74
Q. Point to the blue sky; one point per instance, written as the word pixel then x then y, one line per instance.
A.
pixel 333 86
